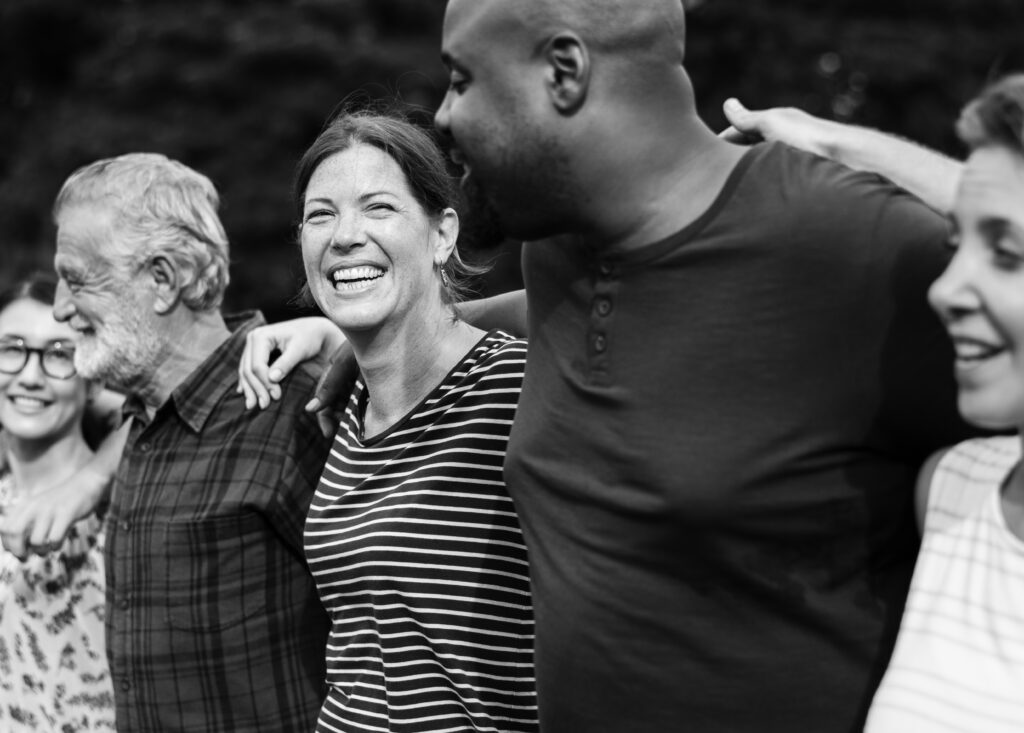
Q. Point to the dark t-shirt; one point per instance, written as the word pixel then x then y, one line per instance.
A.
pixel 714 455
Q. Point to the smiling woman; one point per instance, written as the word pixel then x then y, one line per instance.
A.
pixel 53 668
pixel 412 537
pixel 959 658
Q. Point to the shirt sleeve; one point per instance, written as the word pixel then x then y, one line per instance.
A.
pixel 302 465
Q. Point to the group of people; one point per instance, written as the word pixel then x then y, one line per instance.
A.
pixel 670 486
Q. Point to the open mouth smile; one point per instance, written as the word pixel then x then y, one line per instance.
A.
pixel 355 278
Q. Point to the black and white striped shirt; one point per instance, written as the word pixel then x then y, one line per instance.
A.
pixel 417 554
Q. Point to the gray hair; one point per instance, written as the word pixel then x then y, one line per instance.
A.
pixel 160 207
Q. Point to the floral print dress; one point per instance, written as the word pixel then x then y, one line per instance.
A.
pixel 53 666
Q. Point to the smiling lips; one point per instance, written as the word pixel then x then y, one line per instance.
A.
pixel 354 278
pixel 30 404
pixel 972 352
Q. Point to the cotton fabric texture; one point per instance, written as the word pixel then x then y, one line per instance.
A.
pixel 53 665
pixel 959 659
pixel 213 620
pixel 715 452
pixel 418 557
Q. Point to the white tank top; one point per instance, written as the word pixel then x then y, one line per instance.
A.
pixel 959 658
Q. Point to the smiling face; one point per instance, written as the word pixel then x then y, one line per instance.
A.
pixel 117 339
pixel 34 406
pixel 980 296
pixel 368 246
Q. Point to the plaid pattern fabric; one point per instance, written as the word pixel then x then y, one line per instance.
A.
pixel 213 620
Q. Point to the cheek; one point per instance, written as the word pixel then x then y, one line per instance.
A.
pixel 72 393
pixel 310 253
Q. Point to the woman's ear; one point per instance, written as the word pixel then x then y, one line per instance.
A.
pixel 447 230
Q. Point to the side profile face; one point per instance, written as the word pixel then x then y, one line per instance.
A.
pixel 368 246
pixel 117 340
pixel 496 116
pixel 35 405
pixel 980 296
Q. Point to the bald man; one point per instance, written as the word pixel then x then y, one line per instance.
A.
pixel 733 377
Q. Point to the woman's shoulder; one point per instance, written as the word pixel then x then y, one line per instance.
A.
pixel 963 476
pixel 496 352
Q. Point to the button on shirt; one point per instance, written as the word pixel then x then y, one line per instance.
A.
pixel 213 619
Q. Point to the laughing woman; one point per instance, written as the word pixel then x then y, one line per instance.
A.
pixel 412 537
pixel 959 658
pixel 53 666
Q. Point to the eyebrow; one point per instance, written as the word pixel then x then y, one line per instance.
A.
pixel 362 197
pixel 998 226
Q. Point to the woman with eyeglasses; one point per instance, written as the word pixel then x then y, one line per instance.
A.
pixel 53 667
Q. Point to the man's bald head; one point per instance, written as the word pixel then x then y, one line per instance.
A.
pixel 613 26
pixel 638 28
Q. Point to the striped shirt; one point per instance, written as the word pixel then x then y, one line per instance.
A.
pixel 417 554
pixel 959 658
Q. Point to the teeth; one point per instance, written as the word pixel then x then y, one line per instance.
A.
pixel 354 275
pixel 28 401
pixel 973 350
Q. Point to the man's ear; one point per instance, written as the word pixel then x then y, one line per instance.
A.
pixel 167 283
pixel 568 71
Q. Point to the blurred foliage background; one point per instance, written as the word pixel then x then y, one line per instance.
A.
pixel 238 88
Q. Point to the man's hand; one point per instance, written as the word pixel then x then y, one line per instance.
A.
pixel 335 383
pixel 40 523
pixel 788 125
pixel 303 340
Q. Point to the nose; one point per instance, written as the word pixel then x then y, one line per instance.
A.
pixel 348 233
pixel 443 116
pixel 63 308
pixel 31 374
pixel 954 293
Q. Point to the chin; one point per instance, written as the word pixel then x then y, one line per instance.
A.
pixel 998 412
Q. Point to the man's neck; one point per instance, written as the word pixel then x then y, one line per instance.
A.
pixel 188 345
pixel 662 182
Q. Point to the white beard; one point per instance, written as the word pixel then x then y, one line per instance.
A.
pixel 123 353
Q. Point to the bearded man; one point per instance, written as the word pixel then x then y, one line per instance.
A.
pixel 213 622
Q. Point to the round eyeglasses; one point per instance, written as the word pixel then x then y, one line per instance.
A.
pixel 57 360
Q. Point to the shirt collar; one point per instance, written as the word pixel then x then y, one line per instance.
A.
pixel 203 389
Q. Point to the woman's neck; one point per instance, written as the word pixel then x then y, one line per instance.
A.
pixel 36 465
pixel 402 367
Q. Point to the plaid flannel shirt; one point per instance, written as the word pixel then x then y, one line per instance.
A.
pixel 213 620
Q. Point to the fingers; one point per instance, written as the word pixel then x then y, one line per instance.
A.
pixel 44 534
pixel 337 379
pixel 732 135
pixel 253 380
pixel 744 127
pixel 31 531
pixel 328 420
pixel 12 538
